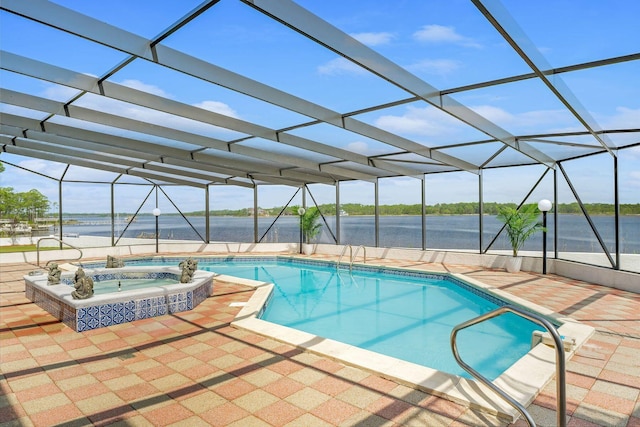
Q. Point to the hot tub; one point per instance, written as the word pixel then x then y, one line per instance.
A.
pixel 158 292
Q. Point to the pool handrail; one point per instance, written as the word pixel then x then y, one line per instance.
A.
pixel 355 254
pixel 342 254
pixel 61 243
pixel 561 397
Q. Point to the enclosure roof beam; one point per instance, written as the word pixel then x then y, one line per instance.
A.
pixel 129 165
pixel 81 113
pixel 72 160
pixel 43 71
pixel 311 26
pixel 102 33
pixel 90 140
pixel 502 21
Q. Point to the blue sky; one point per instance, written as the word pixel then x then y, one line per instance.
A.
pixel 447 44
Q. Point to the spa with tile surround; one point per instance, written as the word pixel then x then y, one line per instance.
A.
pixel 162 294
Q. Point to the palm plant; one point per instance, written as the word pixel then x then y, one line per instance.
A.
pixel 520 224
pixel 311 224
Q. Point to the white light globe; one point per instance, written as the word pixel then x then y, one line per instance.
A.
pixel 301 211
pixel 156 212
pixel 544 205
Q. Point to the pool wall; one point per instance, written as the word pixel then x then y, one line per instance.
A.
pixel 118 307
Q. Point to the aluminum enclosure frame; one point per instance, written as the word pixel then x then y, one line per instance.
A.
pixel 41 128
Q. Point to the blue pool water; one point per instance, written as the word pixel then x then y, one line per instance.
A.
pixel 409 318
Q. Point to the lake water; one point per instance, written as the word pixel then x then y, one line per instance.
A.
pixel 443 232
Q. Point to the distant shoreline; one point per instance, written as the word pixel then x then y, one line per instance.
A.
pixel 68 216
pixel 355 209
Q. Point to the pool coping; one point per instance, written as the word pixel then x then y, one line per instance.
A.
pixel 522 381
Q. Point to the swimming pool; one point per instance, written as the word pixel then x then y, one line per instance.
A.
pixel 407 315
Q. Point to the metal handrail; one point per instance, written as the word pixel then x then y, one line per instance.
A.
pixel 57 240
pixel 561 386
pixel 355 254
pixel 342 254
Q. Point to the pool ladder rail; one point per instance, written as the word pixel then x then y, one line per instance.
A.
pixel 561 396
pixel 352 255
pixel 61 243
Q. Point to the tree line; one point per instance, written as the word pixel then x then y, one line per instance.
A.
pixel 461 208
pixel 25 206
pixel 32 204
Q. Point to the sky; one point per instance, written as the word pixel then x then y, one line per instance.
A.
pixel 446 43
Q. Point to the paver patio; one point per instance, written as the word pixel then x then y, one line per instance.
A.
pixel 193 368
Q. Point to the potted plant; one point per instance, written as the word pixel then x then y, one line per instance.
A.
pixel 520 225
pixel 310 223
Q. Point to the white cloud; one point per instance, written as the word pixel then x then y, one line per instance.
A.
pixel 358 147
pixel 217 107
pixel 362 147
pixel 441 34
pixel 435 66
pixel 431 122
pixel 144 87
pixel 625 118
pixel 494 114
pixel 373 39
pixel 339 66
pixel 59 92
pixel 136 112
pixel 41 166
pixel 553 120
pixel 419 121
pixel 632 153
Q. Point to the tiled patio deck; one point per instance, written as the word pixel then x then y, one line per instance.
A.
pixel 194 369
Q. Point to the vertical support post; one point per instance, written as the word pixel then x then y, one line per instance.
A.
pixel 544 206
pixel 113 216
pixel 301 212
pixel 480 210
pixel 157 234
pixel 255 214
pixel 544 243
pixel 555 214
pixel 423 212
pixel 156 213
pixel 616 205
pixel 60 233
pixel 300 243
pixel 206 214
pixel 338 210
pixel 377 212
pixel 304 196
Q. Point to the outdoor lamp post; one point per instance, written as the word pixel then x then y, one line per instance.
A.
pixel 301 212
pixel 545 206
pixel 156 213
